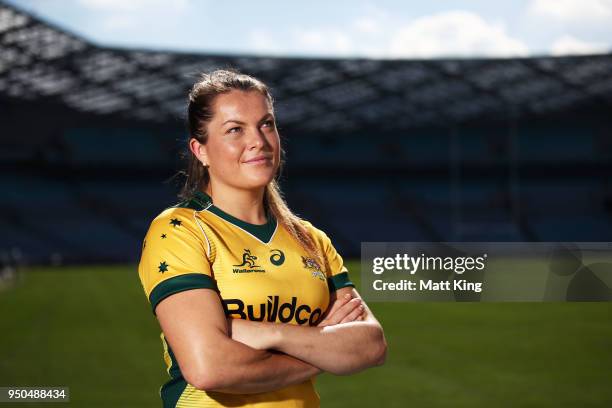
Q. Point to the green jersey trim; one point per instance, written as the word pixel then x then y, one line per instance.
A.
pixel 199 202
pixel 262 232
pixel 338 281
pixel 178 284
pixel 171 391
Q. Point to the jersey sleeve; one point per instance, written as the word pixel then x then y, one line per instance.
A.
pixel 175 256
pixel 337 274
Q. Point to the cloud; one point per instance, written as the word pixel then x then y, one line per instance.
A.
pixel 366 25
pixel 263 41
pixel 381 35
pixel 454 33
pixel 323 41
pixel 573 11
pixel 568 45
pixel 120 21
pixel 137 21
pixel 115 6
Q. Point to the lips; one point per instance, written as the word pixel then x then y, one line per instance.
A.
pixel 258 159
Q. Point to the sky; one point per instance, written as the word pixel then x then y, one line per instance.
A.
pixel 371 29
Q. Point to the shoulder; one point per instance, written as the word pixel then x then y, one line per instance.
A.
pixel 334 262
pixel 317 234
pixel 183 211
pixel 182 223
pixel 314 231
pixel 173 216
pixel 180 219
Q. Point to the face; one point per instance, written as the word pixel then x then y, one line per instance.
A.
pixel 243 146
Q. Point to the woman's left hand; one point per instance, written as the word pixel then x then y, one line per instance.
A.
pixel 344 310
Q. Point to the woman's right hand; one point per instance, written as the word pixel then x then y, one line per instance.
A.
pixel 344 310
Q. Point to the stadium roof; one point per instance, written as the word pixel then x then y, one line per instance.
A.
pixel 39 61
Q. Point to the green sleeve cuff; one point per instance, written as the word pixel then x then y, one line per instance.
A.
pixel 179 284
pixel 338 281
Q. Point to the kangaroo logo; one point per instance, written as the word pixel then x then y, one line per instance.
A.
pixel 248 259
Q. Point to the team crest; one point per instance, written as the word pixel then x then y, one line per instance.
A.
pixel 248 264
pixel 313 267
pixel 248 259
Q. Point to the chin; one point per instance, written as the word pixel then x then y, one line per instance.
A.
pixel 259 178
pixel 254 183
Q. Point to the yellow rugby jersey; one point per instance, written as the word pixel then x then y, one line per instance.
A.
pixel 260 273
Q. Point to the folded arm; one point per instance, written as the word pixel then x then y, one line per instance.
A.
pixel 195 326
pixel 341 349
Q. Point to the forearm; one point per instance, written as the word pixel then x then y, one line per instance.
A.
pixel 339 344
pixel 340 349
pixel 246 370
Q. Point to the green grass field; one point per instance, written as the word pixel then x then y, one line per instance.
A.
pixel 90 328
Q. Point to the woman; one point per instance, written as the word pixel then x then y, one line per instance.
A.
pixel 253 302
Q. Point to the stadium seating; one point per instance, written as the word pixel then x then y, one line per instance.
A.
pixel 480 183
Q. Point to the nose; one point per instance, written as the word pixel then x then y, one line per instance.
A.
pixel 257 140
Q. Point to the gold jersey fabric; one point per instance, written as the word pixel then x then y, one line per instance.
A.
pixel 260 273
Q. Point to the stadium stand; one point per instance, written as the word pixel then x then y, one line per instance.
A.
pixel 377 150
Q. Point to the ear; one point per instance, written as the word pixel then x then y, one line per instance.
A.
pixel 198 150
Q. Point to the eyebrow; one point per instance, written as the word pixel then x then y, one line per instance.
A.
pixel 266 116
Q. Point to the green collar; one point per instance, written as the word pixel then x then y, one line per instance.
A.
pixel 262 232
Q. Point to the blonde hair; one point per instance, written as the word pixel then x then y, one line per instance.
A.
pixel 199 113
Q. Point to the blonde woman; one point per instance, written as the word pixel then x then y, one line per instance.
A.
pixel 253 301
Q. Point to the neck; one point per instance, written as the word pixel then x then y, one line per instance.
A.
pixel 246 205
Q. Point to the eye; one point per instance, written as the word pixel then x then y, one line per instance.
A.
pixel 234 129
pixel 269 123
